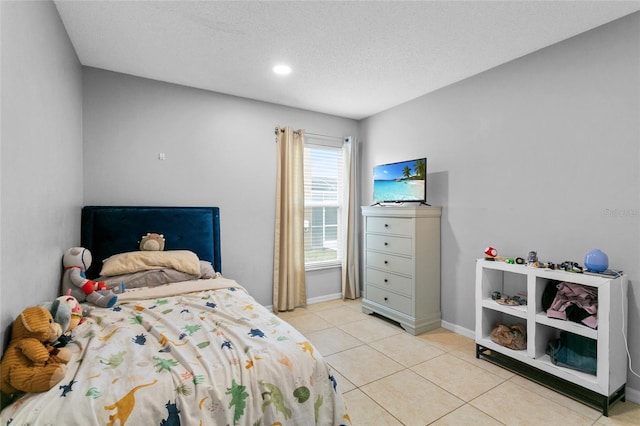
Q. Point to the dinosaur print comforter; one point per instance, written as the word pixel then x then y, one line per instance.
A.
pixel 213 357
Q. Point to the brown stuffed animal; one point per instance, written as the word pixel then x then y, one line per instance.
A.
pixel 29 364
pixel 152 242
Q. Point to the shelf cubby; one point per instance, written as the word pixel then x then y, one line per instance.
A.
pixel 601 389
pixel 493 317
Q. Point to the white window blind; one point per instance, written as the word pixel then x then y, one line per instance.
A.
pixel 323 197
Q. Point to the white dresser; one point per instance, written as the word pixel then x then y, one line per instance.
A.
pixel 402 265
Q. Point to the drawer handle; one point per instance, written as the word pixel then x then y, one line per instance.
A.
pixel 386 280
pixel 386 225
pixel 386 262
pixel 386 243
pixel 386 299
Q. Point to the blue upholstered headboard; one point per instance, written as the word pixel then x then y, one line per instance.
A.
pixel 109 230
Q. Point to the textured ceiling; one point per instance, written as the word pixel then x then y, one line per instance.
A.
pixel 351 59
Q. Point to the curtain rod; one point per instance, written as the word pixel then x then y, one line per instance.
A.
pixel 317 135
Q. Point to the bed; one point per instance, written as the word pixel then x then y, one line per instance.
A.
pixel 195 352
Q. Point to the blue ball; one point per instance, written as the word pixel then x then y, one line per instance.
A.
pixel 596 261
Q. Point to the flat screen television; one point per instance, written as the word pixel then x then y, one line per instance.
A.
pixel 405 181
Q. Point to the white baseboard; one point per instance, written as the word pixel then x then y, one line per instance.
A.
pixel 313 300
pixel 631 394
pixel 458 329
pixel 324 298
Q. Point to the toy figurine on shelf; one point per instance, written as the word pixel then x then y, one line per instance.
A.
pixel 491 253
pixel 544 265
pixel 532 260
pixel 571 266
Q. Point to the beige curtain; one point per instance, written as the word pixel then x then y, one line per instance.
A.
pixel 289 289
pixel 351 214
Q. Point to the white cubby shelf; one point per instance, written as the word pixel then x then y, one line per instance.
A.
pixel 601 389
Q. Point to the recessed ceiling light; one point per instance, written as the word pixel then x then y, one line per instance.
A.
pixel 282 69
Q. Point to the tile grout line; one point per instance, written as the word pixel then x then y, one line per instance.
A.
pixel 453 350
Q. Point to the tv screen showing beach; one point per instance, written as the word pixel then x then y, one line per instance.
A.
pixel 399 182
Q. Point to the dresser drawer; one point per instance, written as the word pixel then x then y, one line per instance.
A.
pixel 397 245
pixel 389 281
pixel 389 262
pixel 391 300
pixel 390 225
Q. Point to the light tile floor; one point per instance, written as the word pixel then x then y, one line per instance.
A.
pixel 389 377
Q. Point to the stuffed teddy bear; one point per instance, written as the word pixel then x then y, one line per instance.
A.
pixel 152 242
pixel 29 363
pixel 76 260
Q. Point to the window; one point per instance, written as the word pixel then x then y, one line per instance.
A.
pixel 323 195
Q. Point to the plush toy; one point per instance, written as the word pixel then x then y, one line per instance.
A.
pixel 67 312
pixel 76 310
pixel 152 242
pixel 76 261
pixel 29 363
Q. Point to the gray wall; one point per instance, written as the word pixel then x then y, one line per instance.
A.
pixel 220 151
pixel 541 154
pixel 41 160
